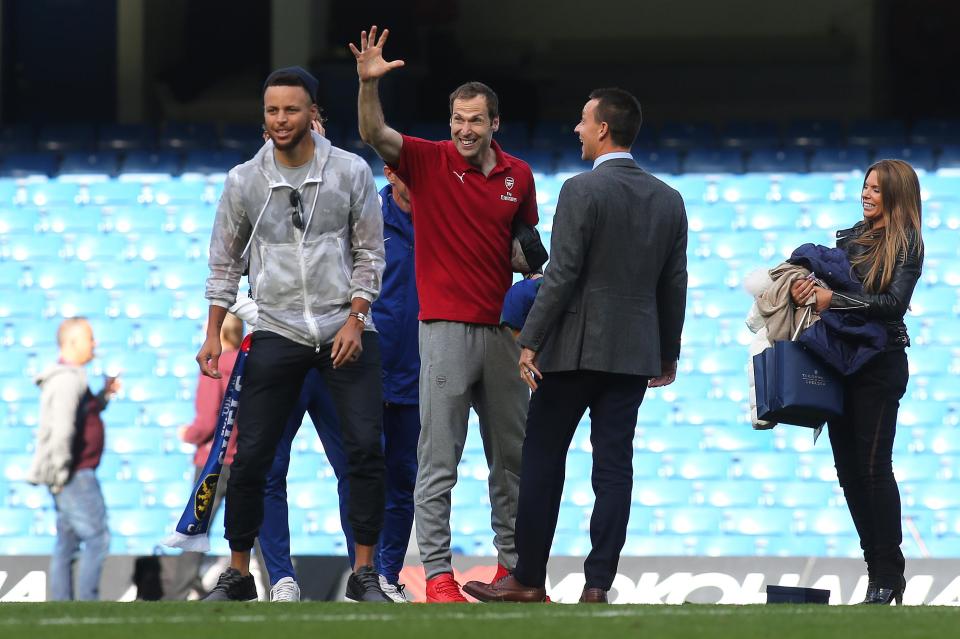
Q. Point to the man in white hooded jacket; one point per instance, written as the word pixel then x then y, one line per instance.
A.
pixel 305 216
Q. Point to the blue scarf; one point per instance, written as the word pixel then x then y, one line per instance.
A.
pixel 191 531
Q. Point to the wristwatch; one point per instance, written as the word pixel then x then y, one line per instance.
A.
pixel 360 316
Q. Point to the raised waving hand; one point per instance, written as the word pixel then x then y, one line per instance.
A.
pixel 371 64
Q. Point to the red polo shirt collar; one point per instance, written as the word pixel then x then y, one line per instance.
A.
pixel 457 160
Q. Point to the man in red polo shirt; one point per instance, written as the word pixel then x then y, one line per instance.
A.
pixel 466 193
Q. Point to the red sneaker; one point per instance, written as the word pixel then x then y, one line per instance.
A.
pixel 444 589
pixel 500 574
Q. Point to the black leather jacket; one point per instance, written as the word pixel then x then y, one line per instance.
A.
pixel 889 306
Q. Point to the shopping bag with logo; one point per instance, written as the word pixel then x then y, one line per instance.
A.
pixel 794 386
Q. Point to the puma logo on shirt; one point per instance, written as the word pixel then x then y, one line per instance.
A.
pixel 460 175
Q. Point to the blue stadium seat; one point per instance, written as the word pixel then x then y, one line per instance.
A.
pixel 663 493
pixel 945 388
pixel 877 133
pixel 696 465
pixel 134 522
pixel 16 440
pixel 24 412
pixel 825 522
pixel 933 302
pixel 142 363
pixel 152 389
pixel 179 191
pixel 687 135
pixel 133 276
pixel 183 136
pixel 199 219
pixel 759 521
pixel 750 135
pixel 19 493
pixel 736 439
pixel 805 188
pixel 688 521
pixel 27 304
pixel 816 464
pixel 48 193
pixel 112 333
pixel 830 217
pixel 16 138
pixel 131 440
pixel 920 157
pixel 15 467
pixel 800 494
pixel 89 247
pixel 67 303
pixel 244 138
pixel 72 219
pixel 785 216
pixel 652 546
pixel 766 466
pixel 717 362
pixel 813 133
pixel 25 545
pixel 790 546
pixel 165 247
pixel 55 275
pixel 187 276
pixel 137 305
pixel 655 413
pixel 178 364
pixel 935 131
pixel 658 161
pixel 13 277
pixel 693 188
pixel 167 413
pixel 202 161
pixel 22 165
pixel 940 187
pixel 151 467
pixel 694 387
pixel 713 161
pixel 121 494
pixel 705 303
pixel 744 188
pixel 63 138
pixel 933 361
pixel 151 163
pixel 661 439
pixel 711 218
pixel 711 411
pixel 707 274
pixel 114 192
pixel 790 160
pixel 728 493
pixel 122 413
pixel 174 334
pixel 15 221
pixel 935 495
pixel 135 219
pixel 102 163
pixel 949 158
pixel 839 160
pixel 126 137
pixel 731 246
pixel 925 414
pixel 726 546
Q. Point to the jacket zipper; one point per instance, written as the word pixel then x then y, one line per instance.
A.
pixel 858 303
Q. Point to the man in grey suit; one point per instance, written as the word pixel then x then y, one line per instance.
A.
pixel 605 326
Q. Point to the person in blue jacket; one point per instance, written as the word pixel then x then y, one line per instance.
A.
pixel 395 315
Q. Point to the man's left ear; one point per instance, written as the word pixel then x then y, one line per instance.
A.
pixel 603 131
pixel 495 124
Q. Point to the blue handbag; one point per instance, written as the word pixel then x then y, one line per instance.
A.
pixel 794 386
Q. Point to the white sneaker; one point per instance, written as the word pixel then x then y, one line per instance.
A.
pixel 285 590
pixel 395 592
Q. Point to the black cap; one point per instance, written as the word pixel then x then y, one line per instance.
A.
pixel 310 83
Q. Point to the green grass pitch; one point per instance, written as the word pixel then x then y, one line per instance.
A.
pixel 318 620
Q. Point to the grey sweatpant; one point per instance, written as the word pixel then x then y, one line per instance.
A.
pixel 464 365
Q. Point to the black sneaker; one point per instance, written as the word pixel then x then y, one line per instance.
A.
pixel 232 586
pixel 364 585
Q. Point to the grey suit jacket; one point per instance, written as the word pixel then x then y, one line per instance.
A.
pixel 614 291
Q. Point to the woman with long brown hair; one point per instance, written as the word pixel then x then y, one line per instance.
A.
pixel 885 250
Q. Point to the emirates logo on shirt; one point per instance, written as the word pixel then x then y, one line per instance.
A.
pixel 508 182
